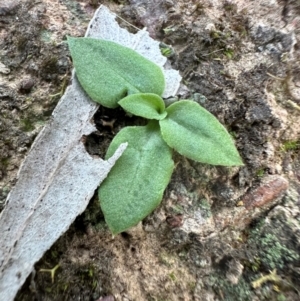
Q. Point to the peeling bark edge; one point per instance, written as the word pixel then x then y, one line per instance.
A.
pixel 58 177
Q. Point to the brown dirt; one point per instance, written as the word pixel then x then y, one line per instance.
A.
pixel 218 229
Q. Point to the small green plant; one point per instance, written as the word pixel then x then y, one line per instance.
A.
pixel 271 252
pixel 114 75
pixel 165 50
pixel 290 145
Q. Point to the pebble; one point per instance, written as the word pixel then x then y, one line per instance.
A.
pixel 26 85
pixel 269 190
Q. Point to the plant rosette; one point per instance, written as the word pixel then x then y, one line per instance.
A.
pixel 114 75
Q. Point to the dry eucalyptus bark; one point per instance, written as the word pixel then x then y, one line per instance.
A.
pixel 58 177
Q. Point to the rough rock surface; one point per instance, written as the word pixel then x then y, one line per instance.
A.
pixel 220 233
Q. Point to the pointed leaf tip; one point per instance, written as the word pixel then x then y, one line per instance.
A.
pixel 109 71
pixel 136 183
pixel 197 134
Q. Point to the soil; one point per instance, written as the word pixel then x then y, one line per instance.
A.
pixel 219 233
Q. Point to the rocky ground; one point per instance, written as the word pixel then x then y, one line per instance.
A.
pixel 220 233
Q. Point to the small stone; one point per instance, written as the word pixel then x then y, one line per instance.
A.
pixel 26 85
pixel 175 221
pixel 235 271
pixel 269 190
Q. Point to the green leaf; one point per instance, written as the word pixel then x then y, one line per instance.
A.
pixel 147 105
pixel 108 71
pixel 197 134
pixel 136 183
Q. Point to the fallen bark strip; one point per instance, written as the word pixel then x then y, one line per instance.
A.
pixel 58 177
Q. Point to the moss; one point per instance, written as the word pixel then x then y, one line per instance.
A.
pixel 86 273
pixel 177 209
pixel 166 259
pixel 274 254
pixel 172 276
pixel 260 172
pixel 229 53
pixel 229 6
pixel 166 50
pixel 46 36
pixel 271 253
pixel 291 145
pixel 192 286
pixel 4 162
pixel 205 208
pixel 5 190
pixel 281 297
pixel 49 65
pixel 231 292
pixel 27 125
pixel 255 264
